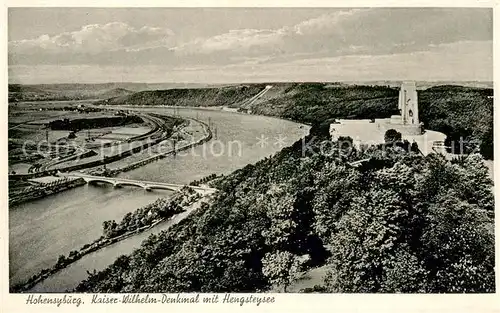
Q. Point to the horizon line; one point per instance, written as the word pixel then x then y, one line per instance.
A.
pixel 253 82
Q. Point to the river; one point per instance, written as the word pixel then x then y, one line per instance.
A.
pixel 240 139
pixel 42 230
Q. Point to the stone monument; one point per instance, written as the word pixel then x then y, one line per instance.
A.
pixel 372 131
pixel 407 122
pixel 408 103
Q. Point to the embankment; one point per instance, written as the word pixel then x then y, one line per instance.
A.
pixel 43 190
pixel 151 215
pixel 106 160
pixel 207 135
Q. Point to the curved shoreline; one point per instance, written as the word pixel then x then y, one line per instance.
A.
pixel 210 109
pixel 101 243
pixel 95 246
pixel 207 137
pixel 47 272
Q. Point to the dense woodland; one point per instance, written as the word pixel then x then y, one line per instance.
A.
pixel 64 92
pixel 400 222
pixel 460 112
pixel 190 97
pixel 161 209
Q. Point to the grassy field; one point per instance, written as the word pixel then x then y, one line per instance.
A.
pixel 25 116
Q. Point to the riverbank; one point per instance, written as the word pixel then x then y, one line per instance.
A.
pixel 44 190
pixel 153 214
pixel 39 191
pixel 103 241
pixel 207 136
pixel 184 169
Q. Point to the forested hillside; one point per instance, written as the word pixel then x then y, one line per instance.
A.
pixel 314 102
pixel 399 223
pixel 460 112
pixel 465 112
pixel 190 97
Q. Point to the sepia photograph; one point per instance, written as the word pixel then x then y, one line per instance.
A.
pixel 159 153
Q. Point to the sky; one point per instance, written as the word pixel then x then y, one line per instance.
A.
pixel 231 45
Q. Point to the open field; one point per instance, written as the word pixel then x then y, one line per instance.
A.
pixel 27 116
pixel 37 135
pixel 70 92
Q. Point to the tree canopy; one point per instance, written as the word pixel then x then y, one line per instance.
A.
pixel 401 222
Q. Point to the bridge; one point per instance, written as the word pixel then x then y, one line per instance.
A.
pixel 146 185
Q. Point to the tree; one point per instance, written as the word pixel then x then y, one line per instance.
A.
pixel 458 248
pixel 281 268
pixel 414 147
pixel 72 254
pixel 127 220
pixel 392 136
pixel 405 273
pixel 109 228
pixel 280 210
pixel 372 233
pixel 476 184
pixel 61 259
pixel 337 185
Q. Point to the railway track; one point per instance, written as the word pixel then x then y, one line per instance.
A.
pixel 157 134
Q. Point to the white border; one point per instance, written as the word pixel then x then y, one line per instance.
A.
pixel 284 302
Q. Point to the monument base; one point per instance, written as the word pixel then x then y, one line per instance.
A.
pixel 405 129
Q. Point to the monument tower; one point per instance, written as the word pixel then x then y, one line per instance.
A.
pixel 408 103
pixel 407 123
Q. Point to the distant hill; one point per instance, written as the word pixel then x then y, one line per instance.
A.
pixel 284 99
pixel 216 96
pixel 117 92
pixel 458 111
pixel 421 85
pixel 50 92
pixel 44 92
pixel 24 88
